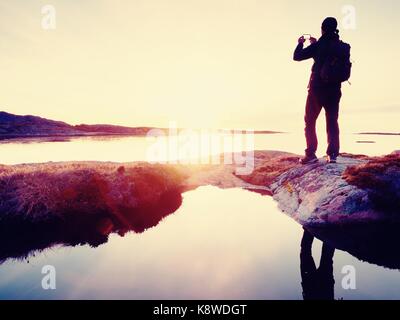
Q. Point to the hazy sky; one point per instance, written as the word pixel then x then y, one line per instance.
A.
pixel 214 63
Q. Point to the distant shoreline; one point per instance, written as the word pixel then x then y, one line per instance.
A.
pixel 108 134
pixel 143 134
pixel 20 127
pixel 379 133
pixel 82 135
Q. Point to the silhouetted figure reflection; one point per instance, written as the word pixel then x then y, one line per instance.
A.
pixel 318 283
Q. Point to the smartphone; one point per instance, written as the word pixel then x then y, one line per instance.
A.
pixel 307 36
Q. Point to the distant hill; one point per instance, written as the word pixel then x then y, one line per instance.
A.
pixel 15 126
pixel 12 126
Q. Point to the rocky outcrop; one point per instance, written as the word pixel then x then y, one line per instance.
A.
pixel 356 189
pixel 319 193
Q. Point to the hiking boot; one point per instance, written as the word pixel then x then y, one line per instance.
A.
pixel 309 159
pixel 331 159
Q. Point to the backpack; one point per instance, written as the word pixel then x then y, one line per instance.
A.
pixel 337 65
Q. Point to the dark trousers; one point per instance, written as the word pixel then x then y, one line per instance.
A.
pixel 327 98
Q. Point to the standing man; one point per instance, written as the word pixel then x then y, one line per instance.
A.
pixel 331 67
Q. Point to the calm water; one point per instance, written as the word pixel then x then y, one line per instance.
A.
pixel 136 148
pixel 219 244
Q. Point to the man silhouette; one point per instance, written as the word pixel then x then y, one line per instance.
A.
pixel 321 93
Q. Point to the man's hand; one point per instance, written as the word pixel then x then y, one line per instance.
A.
pixel 301 40
pixel 313 40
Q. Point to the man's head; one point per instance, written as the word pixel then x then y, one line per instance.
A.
pixel 329 25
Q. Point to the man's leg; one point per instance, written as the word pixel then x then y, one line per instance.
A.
pixel 332 125
pixel 313 109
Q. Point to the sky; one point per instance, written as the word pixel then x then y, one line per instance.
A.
pixel 198 63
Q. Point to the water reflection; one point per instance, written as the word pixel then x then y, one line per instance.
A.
pixel 317 283
pixel 213 243
pixel 375 243
pixel 126 149
pixel 20 238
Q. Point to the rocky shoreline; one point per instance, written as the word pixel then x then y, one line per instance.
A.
pixel 73 203
pixel 356 189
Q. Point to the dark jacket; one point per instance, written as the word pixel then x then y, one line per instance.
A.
pixel 319 51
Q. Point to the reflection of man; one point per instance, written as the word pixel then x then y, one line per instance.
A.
pixel 318 284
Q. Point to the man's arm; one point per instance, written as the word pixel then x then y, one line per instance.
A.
pixel 301 53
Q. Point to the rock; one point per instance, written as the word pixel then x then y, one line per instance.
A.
pixel 318 193
pixel 356 189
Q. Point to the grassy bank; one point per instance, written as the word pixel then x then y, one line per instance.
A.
pixel 77 203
